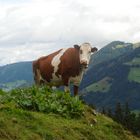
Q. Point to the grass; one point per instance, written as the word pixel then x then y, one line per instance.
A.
pixel 134 75
pixel 101 86
pixel 119 46
pixel 9 86
pixel 17 124
pixel 22 123
pixel 134 62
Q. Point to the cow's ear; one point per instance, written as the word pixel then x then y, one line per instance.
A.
pixel 94 49
pixel 77 46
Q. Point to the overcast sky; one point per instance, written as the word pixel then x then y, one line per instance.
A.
pixel 32 28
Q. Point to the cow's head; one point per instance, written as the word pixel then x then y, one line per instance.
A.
pixel 85 51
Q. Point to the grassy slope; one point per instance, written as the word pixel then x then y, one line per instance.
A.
pixel 21 124
pixel 17 124
pixel 134 73
pixel 11 85
pixel 101 86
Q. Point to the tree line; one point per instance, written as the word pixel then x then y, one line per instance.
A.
pixel 125 116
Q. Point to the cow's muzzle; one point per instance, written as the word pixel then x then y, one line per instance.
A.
pixel 84 63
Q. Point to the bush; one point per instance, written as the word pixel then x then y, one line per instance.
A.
pixel 44 99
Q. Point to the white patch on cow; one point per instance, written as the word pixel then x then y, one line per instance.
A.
pixel 55 63
pixel 39 77
pixel 77 79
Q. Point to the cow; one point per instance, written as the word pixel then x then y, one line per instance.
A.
pixel 63 67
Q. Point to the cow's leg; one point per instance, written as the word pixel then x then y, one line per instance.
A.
pixel 75 89
pixel 36 72
pixel 66 85
pixel 38 79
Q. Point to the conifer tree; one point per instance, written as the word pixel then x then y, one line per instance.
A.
pixel 138 125
pixel 118 113
pixel 103 111
pixel 132 122
pixel 127 116
pixel 109 113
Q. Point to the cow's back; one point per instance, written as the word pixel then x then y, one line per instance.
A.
pixel 45 67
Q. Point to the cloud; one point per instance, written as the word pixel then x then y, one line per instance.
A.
pixel 24 52
pixel 31 28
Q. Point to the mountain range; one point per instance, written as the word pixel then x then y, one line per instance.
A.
pixel 16 75
pixel 113 76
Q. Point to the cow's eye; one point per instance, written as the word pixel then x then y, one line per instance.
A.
pixel 89 52
pixel 80 51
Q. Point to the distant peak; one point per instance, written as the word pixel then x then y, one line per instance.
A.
pixel 118 44
pixel 114 43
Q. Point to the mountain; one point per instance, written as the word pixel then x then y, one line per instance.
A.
pixel 16 71
pixel 114 79
pixel 111 51
pixel 16 75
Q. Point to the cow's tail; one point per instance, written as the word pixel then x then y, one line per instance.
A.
pixel 36 72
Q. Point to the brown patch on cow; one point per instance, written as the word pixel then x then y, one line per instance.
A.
pixel 70 65
pixel 44 66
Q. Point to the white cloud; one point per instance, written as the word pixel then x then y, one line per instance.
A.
pixel 29 29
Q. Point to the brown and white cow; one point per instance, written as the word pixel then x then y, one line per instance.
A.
pixel 63 67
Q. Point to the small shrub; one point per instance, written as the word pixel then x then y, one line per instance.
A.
pixel 45 100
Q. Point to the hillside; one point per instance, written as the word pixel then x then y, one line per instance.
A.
pixel 20 118
pixel 16 71
pixel 111 51
pixel 16 75
pixel 113 81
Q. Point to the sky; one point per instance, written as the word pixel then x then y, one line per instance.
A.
pixel 33 28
